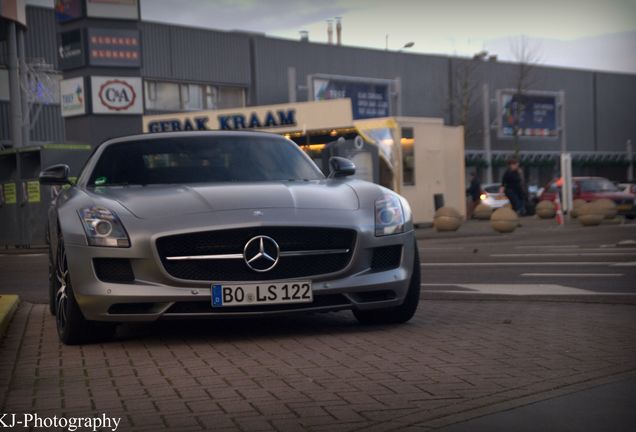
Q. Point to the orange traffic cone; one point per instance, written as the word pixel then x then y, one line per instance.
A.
pixel 559 211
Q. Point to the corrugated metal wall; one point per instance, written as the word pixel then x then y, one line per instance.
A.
pixel 599 106
pixel 188 54
pixel 424 78
pixel 615 111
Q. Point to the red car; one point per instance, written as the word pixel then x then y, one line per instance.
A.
pixel 593 188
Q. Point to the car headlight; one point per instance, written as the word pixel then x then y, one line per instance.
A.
pixel 389 215
pixel 103 227
pixel 483 197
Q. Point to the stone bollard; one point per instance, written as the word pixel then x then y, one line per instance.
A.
pixel 576 206
pixel 590 215
pixel 607 207
pixel 482 212
pixel 447 219
pixel 545 209
pixel 504 220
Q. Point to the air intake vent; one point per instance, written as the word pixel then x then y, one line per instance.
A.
pixel 113 270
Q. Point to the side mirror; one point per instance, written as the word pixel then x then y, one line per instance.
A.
pixel 341 167
pixel 55 175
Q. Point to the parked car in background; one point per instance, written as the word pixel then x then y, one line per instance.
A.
pixel 592 189
pixel 627 187
pixel 491 196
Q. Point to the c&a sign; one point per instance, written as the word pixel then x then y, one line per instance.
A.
pixel 117 95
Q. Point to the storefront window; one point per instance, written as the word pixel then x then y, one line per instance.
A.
pixel 408 156
pixel 166 96
pixel 192 97
pixel 162 96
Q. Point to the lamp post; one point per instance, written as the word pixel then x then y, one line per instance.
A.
pixel 406 46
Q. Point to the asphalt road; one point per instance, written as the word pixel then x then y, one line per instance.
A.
pixel 537 259
pixel 569 261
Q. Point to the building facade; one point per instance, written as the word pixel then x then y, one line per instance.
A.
pixel 192 69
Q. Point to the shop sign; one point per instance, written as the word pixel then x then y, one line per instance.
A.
pixel 73 97
pixel 368 99
pixel 118 9
pixel 9 193
pixel 114 47
pixel 67 10
pixel 271 119
pixel 116 95
pixel 70 50
pixel 33 191
pixel 531 115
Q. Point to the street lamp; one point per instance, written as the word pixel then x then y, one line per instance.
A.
pixel 406 45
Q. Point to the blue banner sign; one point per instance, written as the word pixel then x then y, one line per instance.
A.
pixel 368 100
pixel 528 115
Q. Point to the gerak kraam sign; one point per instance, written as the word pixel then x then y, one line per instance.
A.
pixel 279 118
pixel 116 95
pixel 227 122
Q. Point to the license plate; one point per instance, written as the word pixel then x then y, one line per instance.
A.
pixel 500 197
pixel 224 295
pixel 624 207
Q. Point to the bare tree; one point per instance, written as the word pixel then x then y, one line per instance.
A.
pixel 464 94
pixel 527 57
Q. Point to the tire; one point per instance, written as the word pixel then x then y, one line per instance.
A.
pixel 397 314
pixel 53 283
pixel 72 327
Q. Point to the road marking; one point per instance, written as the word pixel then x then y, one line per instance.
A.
pixel 509 264
pixel 625 264
pixel 549 254
pixel 522 289
pixel 547 247
pixel 571 274
pixel 22 255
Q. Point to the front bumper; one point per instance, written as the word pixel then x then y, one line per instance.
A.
pixel 154 295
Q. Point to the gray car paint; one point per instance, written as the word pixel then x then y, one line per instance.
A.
pixel 153 211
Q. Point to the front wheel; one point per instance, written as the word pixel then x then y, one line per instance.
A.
pixel 397 314
pixel 72 327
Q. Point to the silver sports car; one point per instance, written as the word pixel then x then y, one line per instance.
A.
pixel 218 224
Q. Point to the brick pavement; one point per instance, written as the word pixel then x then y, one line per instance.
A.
pixel 321 372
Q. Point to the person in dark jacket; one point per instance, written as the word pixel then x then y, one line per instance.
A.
pixel 512 186
pixel 473 192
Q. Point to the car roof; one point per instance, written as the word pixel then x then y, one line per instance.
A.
pixel 166 135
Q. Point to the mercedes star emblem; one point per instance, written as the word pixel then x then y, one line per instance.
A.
pixel 261 253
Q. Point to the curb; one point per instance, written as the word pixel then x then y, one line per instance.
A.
pixel 8 306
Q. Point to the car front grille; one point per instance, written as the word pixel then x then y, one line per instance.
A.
pixel 224 242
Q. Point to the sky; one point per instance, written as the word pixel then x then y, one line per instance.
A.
pixel 588 34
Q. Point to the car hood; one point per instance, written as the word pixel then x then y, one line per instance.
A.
pixel 157 201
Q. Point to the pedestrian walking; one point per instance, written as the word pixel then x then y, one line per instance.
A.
pixel 473 192
pixel 512 186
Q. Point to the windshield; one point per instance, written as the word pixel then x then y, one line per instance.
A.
pixel 202 160
pixel 597 185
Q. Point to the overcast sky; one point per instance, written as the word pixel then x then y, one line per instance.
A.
pixel 591 34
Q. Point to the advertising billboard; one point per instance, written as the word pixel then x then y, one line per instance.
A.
pixel 73 97
pixel 68 10
pixel 368 99
pixel 114 47
pixel 117 95
pixel 527 115
pixel 118 9
pixel 70 50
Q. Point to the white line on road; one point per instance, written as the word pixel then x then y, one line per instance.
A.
pixel 571 274
pixel 518 264
pixel 549 254
pixel 547 247
pixel 521 289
